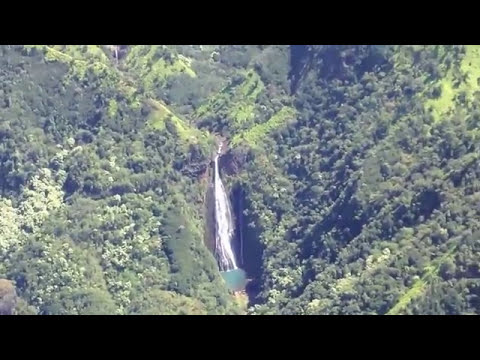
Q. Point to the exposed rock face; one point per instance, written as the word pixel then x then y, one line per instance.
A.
pixel 232 162
pixel 8 297
pixel 210 218
pixel 195 170
pixel 118 51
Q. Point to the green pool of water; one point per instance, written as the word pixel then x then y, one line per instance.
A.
pixel 236 280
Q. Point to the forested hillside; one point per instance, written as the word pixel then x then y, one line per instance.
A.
pixel 352 171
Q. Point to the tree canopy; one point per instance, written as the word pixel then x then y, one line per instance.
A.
pixel 352 169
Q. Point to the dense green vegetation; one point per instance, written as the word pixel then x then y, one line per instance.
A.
pixel 102 211
pixel 367 204
pixel 357 167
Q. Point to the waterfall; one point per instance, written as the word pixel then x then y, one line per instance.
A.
pixel 224 228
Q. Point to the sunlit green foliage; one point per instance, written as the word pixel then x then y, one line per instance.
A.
pixel 357 166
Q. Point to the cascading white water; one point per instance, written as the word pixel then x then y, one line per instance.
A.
pixel 224 229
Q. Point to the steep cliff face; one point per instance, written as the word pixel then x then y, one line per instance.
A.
pixel 233 162
pixel 230 166
pixel 209 214
pixel 8 298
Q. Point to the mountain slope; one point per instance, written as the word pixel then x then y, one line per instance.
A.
pixel 370 209
pixel 90 188
pixel 353 171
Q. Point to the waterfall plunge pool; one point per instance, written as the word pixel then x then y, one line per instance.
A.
pixel 236 279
